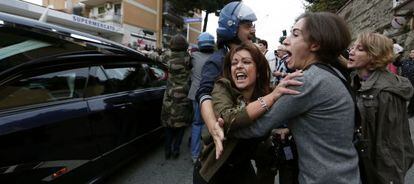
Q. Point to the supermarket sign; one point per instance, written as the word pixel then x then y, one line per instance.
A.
pixel 93 23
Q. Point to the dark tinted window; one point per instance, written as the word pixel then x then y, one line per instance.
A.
pixel 42 88
pixel 112 79
pixel 157 75
pixel 127 78
pixel 18 46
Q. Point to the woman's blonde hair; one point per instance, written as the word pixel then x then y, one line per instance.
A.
pixel 378 47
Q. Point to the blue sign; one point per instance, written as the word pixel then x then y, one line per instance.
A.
pixel 192 20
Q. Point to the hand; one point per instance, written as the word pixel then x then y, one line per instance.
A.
pixel 218 136
pixel 281 131
pixel 289 80
pixel 279 74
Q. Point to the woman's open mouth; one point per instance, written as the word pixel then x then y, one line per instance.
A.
pixel 241 76
pixel 288 57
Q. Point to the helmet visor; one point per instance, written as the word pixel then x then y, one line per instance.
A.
pixel 246 13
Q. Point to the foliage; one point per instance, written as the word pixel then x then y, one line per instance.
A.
pixel 183 7
pixel 325 5
pixel 187 7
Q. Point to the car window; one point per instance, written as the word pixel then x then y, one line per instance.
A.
pixel 18 46
pixel 127 78
pixel 113 79
pixel 21 47
pixel 157 75
pixel 50 87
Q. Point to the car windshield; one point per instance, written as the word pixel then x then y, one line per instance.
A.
pixel 19 46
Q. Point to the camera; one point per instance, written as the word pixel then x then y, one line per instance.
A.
pixel 283 150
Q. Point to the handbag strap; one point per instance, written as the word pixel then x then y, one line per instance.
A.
pixel 329 69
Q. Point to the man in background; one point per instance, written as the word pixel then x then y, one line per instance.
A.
pixel 270 56
pixel 281 69
pixel 205 42
pixel 407 70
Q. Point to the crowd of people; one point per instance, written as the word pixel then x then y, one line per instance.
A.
pixel 319 109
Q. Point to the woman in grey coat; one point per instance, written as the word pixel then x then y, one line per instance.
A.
pixel 321 117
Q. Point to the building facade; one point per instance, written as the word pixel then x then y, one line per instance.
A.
pixel 137 23
pixel 377 15
pixel 146 23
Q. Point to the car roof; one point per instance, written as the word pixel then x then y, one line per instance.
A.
pixel 58 31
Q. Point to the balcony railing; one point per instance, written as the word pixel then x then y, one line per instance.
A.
pixel 90 3
pixel 170 13
pixel 108 17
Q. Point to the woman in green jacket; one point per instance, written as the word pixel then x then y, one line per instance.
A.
pixel 176 112
pixel 240 96
pixel 382 98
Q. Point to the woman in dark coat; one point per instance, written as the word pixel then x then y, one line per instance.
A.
pixel 382 98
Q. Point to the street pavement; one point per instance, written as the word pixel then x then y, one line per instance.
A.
pixel 153 168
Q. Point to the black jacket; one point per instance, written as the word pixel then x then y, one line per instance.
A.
pixel 210 72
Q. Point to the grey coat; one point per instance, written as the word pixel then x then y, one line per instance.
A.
pixel 321 119
pixel 198 59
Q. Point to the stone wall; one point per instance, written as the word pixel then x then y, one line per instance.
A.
pixel 375 15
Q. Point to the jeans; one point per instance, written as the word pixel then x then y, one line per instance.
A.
pixel 196 129
pixel 173 138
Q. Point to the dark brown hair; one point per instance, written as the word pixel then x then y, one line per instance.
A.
pixel 264 42
pixel 262 68
pixel 329 31
pixel 178 43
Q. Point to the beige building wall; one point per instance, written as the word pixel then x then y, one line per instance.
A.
pixel 159 23
pixel 149 3
pixel 57 4
pixel 194 32
pixel 139 17
pixel 193 37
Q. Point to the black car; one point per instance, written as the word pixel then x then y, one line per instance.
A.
pixel 72 106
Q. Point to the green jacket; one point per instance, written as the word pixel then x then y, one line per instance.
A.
pixel 382 103
pixel 229 104
pixel 177 108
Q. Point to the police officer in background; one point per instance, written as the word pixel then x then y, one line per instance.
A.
pixel 206 44
pixel 235 27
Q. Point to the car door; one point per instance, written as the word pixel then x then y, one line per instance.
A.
pixel 125 104
pixel 109 106
pixel 44 128
pixel 154 94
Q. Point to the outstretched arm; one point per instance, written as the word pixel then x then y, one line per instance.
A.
pixel 233 117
